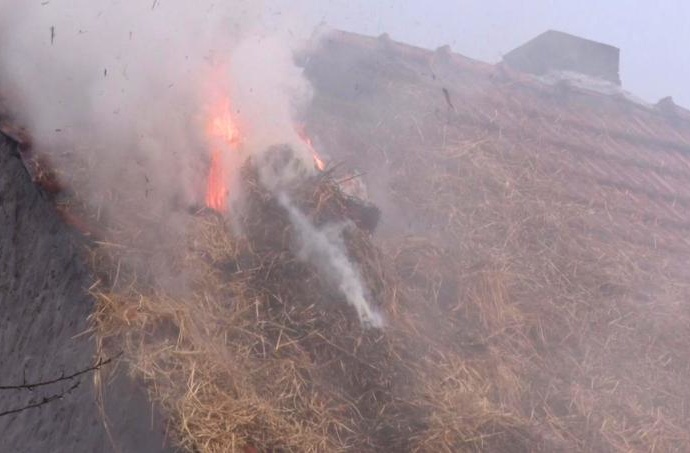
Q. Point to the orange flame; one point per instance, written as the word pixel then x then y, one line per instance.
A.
pixel 216 190
pixel 318 162
pixel 224 135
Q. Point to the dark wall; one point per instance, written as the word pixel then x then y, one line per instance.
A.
pixel 43 307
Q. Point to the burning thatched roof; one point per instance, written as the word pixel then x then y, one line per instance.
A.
pixel 530 264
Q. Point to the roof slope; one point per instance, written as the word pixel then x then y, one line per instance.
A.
pixel 606 153
pixel 548 223
pixel 540 232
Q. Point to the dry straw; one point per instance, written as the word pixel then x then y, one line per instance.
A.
pixel 518 324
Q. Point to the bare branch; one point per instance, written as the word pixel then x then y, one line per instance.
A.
pixel 42 401
pixel 31 386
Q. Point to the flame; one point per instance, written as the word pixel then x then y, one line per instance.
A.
pixel 318 162
pixel 216 189
pixel 224 136
pixel 223 126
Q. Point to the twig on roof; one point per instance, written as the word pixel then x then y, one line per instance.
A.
pixel 349 178
pixel 446 94
pixel 43 401
pixel 32 385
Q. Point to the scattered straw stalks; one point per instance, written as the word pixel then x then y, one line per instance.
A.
pixel 519 316
pixel 570 314
pixel 256 349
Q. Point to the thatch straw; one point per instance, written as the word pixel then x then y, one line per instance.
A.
pixel 569 313
pixel 518 317
pixel 258 349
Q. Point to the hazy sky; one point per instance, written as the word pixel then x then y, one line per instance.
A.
pixel 653 35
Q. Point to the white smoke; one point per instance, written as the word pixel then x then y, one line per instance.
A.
pixel 123 86
pixel 280 92
pixel 118 93
pixel 324 248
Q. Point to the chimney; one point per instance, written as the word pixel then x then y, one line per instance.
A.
pixel 554 51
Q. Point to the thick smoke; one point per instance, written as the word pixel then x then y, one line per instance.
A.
pixel 119 94
pixel 268 99
pixel 125 87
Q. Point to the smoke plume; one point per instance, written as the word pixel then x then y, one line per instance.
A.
pixel 124 87
pixel 324 249
pixel 119 94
